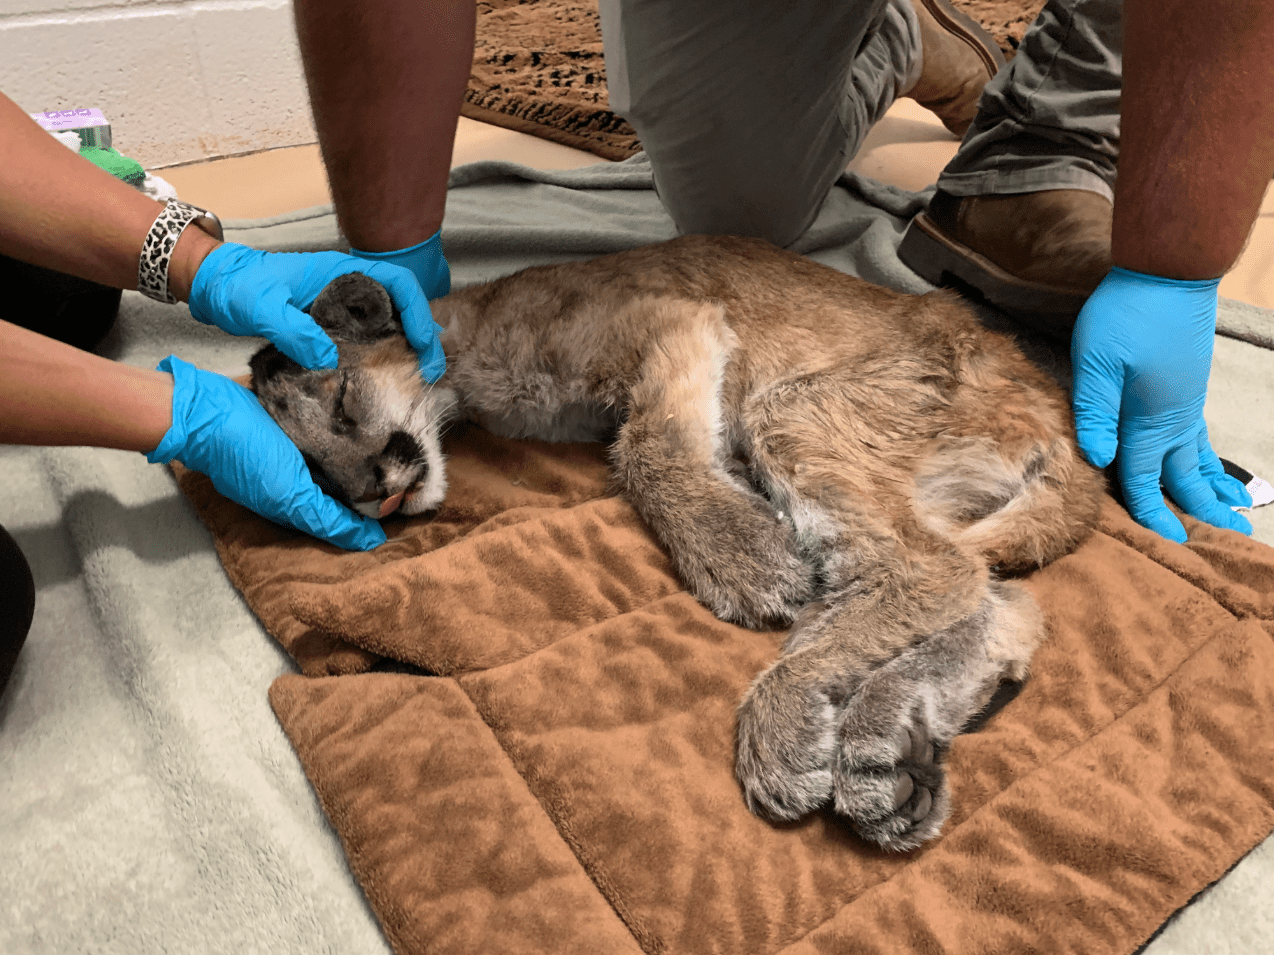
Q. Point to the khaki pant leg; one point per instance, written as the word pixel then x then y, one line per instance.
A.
pixel 750 110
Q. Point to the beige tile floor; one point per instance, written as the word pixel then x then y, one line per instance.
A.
pixel 908 148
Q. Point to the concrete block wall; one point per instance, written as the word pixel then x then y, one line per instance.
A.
pixel 180 80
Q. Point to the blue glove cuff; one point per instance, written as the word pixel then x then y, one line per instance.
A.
pixel 1143 278
pixel 425 260
pixel 174 440
pixel 203 286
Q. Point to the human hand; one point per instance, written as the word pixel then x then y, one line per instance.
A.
pixel 1142 353
pixel 249 292
pixel 220 429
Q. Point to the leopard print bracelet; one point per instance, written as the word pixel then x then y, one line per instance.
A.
pixel 157 250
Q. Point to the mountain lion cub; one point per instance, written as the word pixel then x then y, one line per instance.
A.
pixel 814 451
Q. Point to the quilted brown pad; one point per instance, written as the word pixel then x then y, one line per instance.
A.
pixel 564 782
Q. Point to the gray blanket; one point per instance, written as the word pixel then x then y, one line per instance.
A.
pixel 148 800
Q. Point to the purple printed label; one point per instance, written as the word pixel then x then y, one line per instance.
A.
pixel 70 118
pixel 93 128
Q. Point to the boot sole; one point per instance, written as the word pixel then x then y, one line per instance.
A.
pixel 968 30
pixel 942 261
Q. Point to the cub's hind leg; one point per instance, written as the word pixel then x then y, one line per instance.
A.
pixel 860 712
pixel 1006 476
pixel 895 732
pixel 885 596
pixel 727 543
pixel 909 640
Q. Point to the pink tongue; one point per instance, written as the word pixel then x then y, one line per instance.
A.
pixel 390 504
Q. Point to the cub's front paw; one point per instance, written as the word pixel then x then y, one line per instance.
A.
pixel 745 568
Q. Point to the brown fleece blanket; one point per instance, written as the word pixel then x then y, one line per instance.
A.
pixel 563 781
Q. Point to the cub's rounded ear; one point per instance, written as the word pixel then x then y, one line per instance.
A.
pixel 356 308
pixel 270 366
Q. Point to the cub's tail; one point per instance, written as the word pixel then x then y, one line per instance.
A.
pixel 1021 507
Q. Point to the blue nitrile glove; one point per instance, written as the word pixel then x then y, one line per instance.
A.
pixel 220 429
pixel 1142 352
pixel 249 292
pixel 426 262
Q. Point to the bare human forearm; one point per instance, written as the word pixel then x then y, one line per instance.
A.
pixel 53 394
pixel 1197 140
pixel 386 82
pixel 60 211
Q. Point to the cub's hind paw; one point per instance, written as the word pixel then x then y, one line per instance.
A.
pixel 889 777
pixel 893 790
pixel 786 745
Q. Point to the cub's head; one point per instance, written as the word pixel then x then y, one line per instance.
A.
pixel 370 429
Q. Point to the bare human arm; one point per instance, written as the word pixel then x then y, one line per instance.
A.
pixel 60 211
pixel 53 394
pixel 1196 148
pixel 1196 155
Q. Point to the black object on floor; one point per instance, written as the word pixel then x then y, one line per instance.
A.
pixel 61 306
pixel 17 604
pixel 1240 474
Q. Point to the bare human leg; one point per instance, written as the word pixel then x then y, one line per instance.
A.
pixel 386 82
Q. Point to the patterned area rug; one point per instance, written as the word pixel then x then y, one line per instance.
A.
pixel 538 68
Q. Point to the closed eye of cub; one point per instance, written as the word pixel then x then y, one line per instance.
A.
pixel 339 411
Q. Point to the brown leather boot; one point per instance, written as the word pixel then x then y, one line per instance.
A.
pixel 959 58
pixel 1035 255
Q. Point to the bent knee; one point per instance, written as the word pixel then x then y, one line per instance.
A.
pixel 715 201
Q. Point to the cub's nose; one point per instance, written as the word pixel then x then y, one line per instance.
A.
pixel 402 448
pixel 399 465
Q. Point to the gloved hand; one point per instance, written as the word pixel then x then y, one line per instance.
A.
pixel 425 261
pixel 248 292
pixel 1142 352
pixel 220 429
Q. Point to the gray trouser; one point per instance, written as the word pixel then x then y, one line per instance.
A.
pixel 1051 119
pixel 749 111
